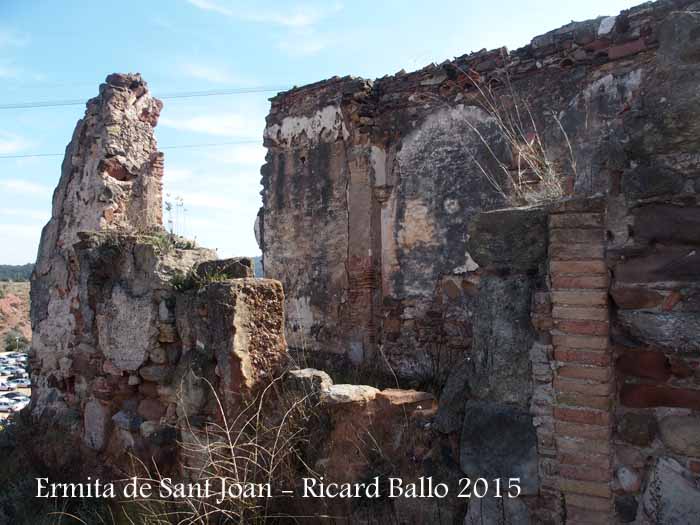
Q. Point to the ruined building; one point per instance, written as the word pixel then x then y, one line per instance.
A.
pixel 372 219
pixel 559 340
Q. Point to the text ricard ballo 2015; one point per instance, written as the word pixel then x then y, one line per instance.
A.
pixel 223 488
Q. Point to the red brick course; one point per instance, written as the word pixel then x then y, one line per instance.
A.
pixel 582 342
pixel 578 430
pixel 578 267
pixel 574 251
pixel 579 298
pixel 575 386
pixel 582 327
pixel 581 313
pixel 581 282
pixel 584 357
pixel 576 220
pixel 583 380
pixel 593 373
pixel 586 416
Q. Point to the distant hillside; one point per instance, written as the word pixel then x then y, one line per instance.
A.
pixel 10 272
pixel 14 312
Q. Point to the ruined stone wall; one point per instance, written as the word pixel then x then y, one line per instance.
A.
pixel 111 180
pixel 369 186
pixel 140 339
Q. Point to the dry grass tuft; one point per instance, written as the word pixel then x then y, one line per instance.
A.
pixel 533 177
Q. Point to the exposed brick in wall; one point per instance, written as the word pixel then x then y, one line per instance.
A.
pixel 583 380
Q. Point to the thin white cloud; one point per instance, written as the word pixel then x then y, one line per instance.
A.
pixel 213 74
pixel 207 5
pixel 243 154
pixel 24 186
pixel 295 17
pixel 24 239
pixel 209 200
pixel 9 71
pixel 12 38
pixel 303 43
pixel 175 175
pixel 26 213
pixel 11 143
pixel 223 125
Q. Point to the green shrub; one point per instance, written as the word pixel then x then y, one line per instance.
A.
pixel 15 341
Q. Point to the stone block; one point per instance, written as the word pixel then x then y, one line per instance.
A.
pixel 648 364
pixel 513 239
pixel 151 410
pixel 671 495
pixel 96 424
pixel 343 394
pixel 235 268
pixel 648 396
pixel 156 373
pixel 677 331
pixel 638 429
pixel 681 434
pixel 635 297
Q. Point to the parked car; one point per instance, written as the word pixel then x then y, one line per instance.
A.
pixel 15 397
pixel 20 382
pixel 19 405
pixel 4 387
pixel 7 405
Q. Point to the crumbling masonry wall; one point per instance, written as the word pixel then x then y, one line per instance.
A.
pixel 383 173
pixel 137 335
pixel 408 269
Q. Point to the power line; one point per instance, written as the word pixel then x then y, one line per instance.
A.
pixel 174 146
pixel 186 94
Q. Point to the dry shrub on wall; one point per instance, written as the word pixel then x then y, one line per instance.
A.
pixel 533 176
pixel 261 443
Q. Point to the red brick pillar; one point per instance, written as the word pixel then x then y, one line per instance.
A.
pixel 583 376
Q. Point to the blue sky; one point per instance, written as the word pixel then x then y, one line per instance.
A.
pixel 61 50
